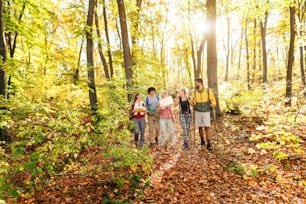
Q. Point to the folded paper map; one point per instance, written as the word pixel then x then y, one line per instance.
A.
pixel 166 101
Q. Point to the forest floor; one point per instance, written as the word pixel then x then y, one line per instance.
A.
pixel 199 176
pixel 236 171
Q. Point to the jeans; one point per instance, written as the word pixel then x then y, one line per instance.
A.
pixel 185 119
pixel 166 123
pixel 140 124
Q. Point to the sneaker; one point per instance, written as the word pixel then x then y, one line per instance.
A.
pixel 185 145
pixel 209 147
pixel 202 143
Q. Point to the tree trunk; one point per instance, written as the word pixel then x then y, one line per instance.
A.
pixel 100 49
pixel 76 74
pixel 290 56
pixel 199 71
pixel 240 50
pixel 109 51
pixel 2 54
pixel 263 29
pixel 212 51
pixel 192 45
pixel 126 48
pixel 227 46
pixel 3 132
pixel 254 50
pixel 247 55
pixel 89 54
pixel 302 65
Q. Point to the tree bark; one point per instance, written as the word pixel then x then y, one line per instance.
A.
pixel 290 56
pixel 128 63
pixel 212 51
pixel 109 51
pixel 247 55
pixel 227 46
pixel 2 54
pixel 302 65
pixel 200 56
pixel 100 49
pixel 90 60
pixel 240 50
pixel 192 45
pixel 263 29
pixel 254 50
pixel 76 74
pixel 3 133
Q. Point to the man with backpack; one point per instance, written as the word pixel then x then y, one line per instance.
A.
pixel 203 100
pixel 153 118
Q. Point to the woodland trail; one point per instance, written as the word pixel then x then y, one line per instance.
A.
pixel 199 176
pixel 236 171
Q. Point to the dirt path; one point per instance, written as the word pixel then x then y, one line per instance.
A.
pixel 198 176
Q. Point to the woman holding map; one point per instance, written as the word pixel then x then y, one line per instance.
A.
pixel 166 118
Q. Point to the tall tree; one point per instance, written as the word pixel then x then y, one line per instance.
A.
pixel 128 63
pixel 247 54
pixel 211 50
pixel 2 53
pixel 89 54
pixel 290 56
pixel 100 48
pixel 301 17
pixel 263 32
pixel 109 51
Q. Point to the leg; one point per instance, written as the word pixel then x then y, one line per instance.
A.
pixel 151 128
pixel 156 129
pixel 188 122
pixel 136 131
pixel 184 126
pixel 142 124
pixel 163 131
pixel 171 129
pixel 201 132
pixel 207 132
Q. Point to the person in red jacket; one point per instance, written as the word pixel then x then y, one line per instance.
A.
pixel 138 114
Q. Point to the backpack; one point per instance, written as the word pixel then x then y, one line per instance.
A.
pixel 147 100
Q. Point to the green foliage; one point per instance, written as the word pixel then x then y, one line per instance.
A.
pixel 278 155
pixel 239 101
pixel 235 167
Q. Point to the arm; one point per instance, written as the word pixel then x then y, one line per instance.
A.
pixel 177 101
pixel 212 99
pixel 192 99
pixel 171 113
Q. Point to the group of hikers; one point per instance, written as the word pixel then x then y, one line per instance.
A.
pixel 161 118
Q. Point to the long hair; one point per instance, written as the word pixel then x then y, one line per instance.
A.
pixel 135 97
pixel 163 93
pixel 185 90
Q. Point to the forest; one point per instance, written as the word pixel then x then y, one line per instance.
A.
pixel 69 72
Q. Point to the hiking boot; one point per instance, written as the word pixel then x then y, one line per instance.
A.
pixel 209 147
pixel 185 145
pixel 202 143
